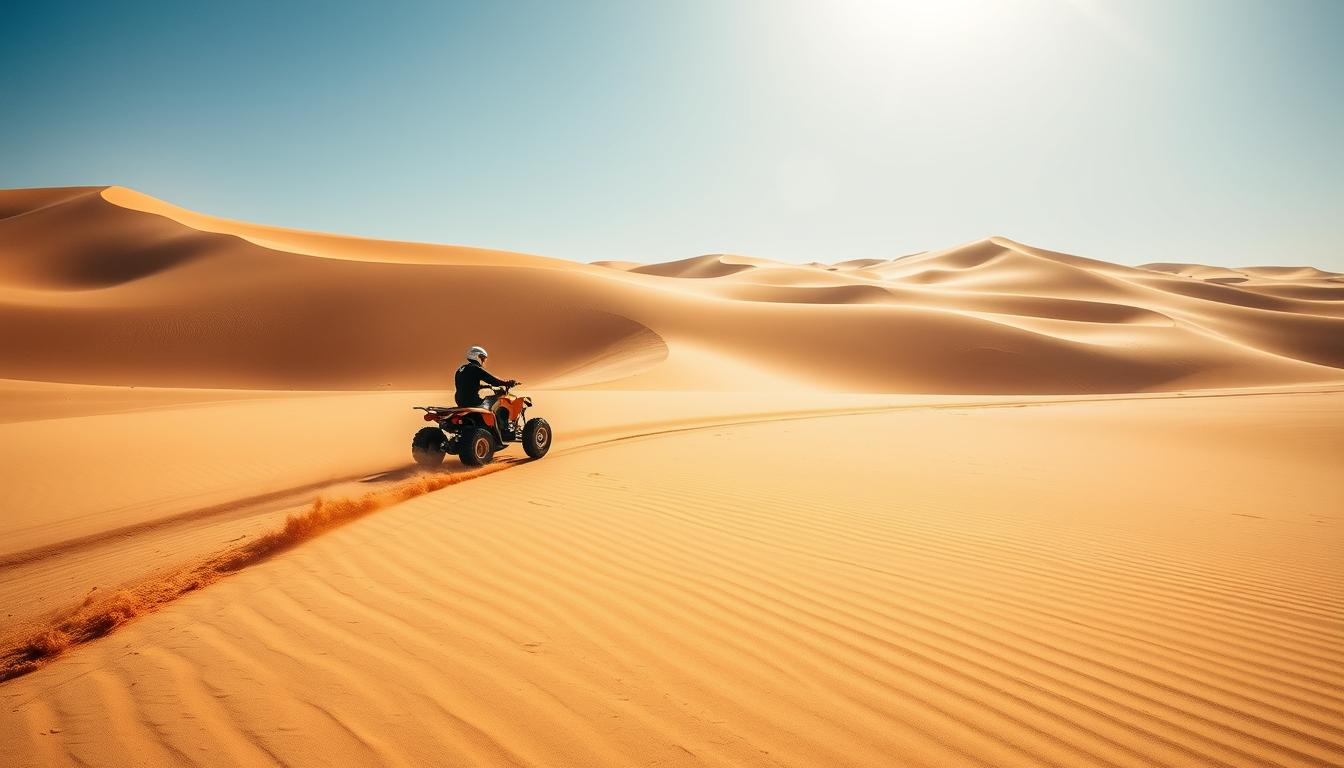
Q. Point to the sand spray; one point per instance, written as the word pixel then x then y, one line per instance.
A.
pixel 100 613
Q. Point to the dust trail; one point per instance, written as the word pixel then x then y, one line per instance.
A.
pixel 36 645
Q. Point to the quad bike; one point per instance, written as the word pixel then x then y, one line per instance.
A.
pixel 475 433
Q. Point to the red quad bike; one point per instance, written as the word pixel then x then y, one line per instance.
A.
pixel 474 434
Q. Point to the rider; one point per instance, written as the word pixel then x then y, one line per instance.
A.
pixel 472 376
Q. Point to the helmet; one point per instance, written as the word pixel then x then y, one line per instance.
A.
pixel 477 354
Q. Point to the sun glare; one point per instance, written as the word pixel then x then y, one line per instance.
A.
pixel 946 20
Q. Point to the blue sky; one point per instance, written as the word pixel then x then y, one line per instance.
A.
pixel 1134 131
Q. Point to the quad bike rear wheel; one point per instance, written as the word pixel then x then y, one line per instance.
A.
pixel 536 437
pixel 427 447
pixel 477 447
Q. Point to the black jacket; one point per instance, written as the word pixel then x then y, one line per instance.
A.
pixel 469 379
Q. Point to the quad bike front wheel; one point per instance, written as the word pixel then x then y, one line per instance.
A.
pixel 536 437
pixel 477 447
pixel 427 447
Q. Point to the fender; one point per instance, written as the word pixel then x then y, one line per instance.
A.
pixel 456 415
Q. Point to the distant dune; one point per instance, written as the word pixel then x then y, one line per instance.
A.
pixel 109 286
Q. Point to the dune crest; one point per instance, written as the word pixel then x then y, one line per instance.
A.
pixel 153 294
pixel 321 243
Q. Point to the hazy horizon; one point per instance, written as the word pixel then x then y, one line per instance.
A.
pixel 1132 132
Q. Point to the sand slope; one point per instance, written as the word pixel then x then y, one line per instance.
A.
pixel 749 595
pixel 108 286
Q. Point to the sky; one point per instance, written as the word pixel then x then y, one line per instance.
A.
pixel 1133 131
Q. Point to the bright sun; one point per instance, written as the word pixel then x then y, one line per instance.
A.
pixel 927 18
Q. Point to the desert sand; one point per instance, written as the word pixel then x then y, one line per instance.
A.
pixel 989 505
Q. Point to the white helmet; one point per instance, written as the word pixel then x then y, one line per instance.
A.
pixel 477 354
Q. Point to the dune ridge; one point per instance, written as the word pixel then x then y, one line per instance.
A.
pixel 152 294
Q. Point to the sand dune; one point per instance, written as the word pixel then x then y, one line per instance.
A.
pixel 713 265
pixel 1263 274
pixel 985 505
pixel 147 300
pixel 154 295
pixel 1291 282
